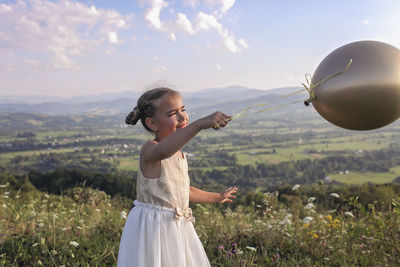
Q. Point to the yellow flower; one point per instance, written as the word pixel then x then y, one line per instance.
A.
pixel 315 236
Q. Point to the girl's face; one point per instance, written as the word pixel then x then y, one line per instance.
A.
pixel 170 116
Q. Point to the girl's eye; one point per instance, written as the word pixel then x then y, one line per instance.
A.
pixel 171 114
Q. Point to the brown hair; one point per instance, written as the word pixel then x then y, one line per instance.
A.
pixel 145 106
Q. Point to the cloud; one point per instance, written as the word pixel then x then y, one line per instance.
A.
pixel 172 36
pixel 226 5
pixel 207 22
pixel 218 67
pixel 203 22
pixel 184 23
pixel 223 6
pixel 60 30
pixel 152 14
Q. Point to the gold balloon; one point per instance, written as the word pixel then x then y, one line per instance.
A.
pixel 367 95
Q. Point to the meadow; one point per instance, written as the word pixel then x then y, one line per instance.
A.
pixel 83 227
pixel 287 213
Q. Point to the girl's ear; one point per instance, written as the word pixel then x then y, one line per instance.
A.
pixel 151 123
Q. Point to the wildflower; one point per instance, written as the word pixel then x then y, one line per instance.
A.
pixel 34 245
pixel 348 213
pixel 221 247
pixel 123 214
pixel 334 195
pixel 4 185
pixel 41 225
pixel 295 187
pixel 309 206
pixel 251 248
pixel 239 252
pixel 46 195
pixel 314 235
pixel 74 243
pixel 307 219
pixel 311 199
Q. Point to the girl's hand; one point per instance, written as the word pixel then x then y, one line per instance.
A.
pixel 215 120
pixel 228 195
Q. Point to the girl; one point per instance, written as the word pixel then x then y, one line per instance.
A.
pixel 159 230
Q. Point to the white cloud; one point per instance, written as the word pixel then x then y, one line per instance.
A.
pixel 218 67
pixel 203 22
pixel 226 5
pixel 231 45
pixel 60 29
pixel 184 23
pixel 243 43
pixel 209 22
pixel 365 21
pixel 223 6
pixel 113 38
pixel 152 14
pixel 172 36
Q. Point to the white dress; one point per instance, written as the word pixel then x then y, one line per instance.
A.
pixel 159 231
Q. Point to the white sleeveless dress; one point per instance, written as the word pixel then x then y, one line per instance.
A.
pixel 159 231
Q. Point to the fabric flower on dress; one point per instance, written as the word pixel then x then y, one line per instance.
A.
pixel 184 214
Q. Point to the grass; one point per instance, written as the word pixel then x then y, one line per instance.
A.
pixel 83 228
pixel 358 178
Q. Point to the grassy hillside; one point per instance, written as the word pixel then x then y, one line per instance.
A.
pixel 83 228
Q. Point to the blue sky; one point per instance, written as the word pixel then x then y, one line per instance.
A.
pixel 68 48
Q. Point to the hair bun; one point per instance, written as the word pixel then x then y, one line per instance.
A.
pixel 133 116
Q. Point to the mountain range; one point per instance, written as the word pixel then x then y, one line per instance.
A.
pixel 231 99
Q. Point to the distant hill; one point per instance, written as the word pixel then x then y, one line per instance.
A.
pixel 230 99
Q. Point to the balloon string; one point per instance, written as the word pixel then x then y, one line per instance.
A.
pixel 310 89
pixel 245 112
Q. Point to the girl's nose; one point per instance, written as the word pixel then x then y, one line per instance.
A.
pixel 181 116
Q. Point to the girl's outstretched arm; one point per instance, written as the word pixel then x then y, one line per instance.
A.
pixel 153 151
pixel 197 195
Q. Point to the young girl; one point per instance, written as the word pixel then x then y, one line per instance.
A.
pixel 159 230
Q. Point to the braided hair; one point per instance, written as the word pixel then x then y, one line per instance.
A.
pixel 146 106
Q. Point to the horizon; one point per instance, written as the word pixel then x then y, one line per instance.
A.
pixel 139 92
pixel 79 48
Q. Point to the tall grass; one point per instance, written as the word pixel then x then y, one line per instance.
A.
pixel 83 228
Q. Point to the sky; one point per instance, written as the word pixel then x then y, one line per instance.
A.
pixel 71 48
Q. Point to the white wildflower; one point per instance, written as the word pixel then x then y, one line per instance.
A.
pixel 295 187
pixel 80 228
pixel 41 225
pixel 334 195
pixel 34 245
pixel 251 248
pixel 307 219
pixel 311 199
pixel 4 185
pixel 46 195
pixel 123 214
pixel 74 243
pixel 348 213
pixel 98 210
pixel 309 206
